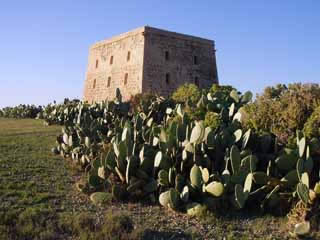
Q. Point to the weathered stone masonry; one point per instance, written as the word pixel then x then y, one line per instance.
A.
pixel 148 60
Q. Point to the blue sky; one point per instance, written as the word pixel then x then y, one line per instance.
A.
pixel 44 44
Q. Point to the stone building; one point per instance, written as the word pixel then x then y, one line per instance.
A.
pixel 148 60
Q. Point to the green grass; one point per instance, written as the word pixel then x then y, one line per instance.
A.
pixel 33 183
pixel 36 188
pixel 39 200
pixel 38 197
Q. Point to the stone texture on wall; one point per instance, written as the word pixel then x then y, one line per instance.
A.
pixel 160 61
pixel 180 62
pixel 100 70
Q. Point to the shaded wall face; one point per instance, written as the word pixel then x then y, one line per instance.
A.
pixel 113 65
pixel 170 62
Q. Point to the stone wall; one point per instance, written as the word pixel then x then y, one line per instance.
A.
pixel 160 61
pixel 104 77
pixel 172 59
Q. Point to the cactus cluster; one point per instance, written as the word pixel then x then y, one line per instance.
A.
pixel 158 152
pixel 21 111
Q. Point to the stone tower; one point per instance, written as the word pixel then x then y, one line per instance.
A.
pixel 148 60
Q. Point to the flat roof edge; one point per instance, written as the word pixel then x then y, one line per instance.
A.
pixel 176 34
pixel 119 37
pixel 149 29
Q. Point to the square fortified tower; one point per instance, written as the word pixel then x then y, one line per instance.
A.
pixel 148 60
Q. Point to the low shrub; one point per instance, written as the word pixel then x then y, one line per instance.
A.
pixel 282 110
pixel 187 92
pixel 140 101
pixel 222 93
pixel 312 126
pixel 212 120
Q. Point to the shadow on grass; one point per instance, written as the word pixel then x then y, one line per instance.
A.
pixel 163 235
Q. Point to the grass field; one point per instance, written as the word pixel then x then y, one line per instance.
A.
pixel 38 200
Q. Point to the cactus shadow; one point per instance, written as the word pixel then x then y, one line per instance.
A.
pixel 251 212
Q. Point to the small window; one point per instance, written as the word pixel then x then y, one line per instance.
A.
pixel 94 83
pixel 111 60
pixel 109 82
pixel 196 81
pixel 195 60
pixel 126 79
pixel 167 55
pixel 128 56
pixel 97 63
pixel 167 78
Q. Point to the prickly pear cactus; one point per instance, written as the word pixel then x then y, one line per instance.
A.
pixel 165 150
pixel 196 177
pixel 214 188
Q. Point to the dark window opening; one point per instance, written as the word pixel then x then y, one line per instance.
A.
pixel 97 63
pixel 167 78
pixel 128 56
pixel 109 82
pixel 111 60
pixel 196 81
pixel 195 60
pixel 167 55
pixel 94 83
pixel 126 79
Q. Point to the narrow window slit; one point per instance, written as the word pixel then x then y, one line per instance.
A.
pixel 195 60
pixel 126 79
pixel 167 55
pixel 167 78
